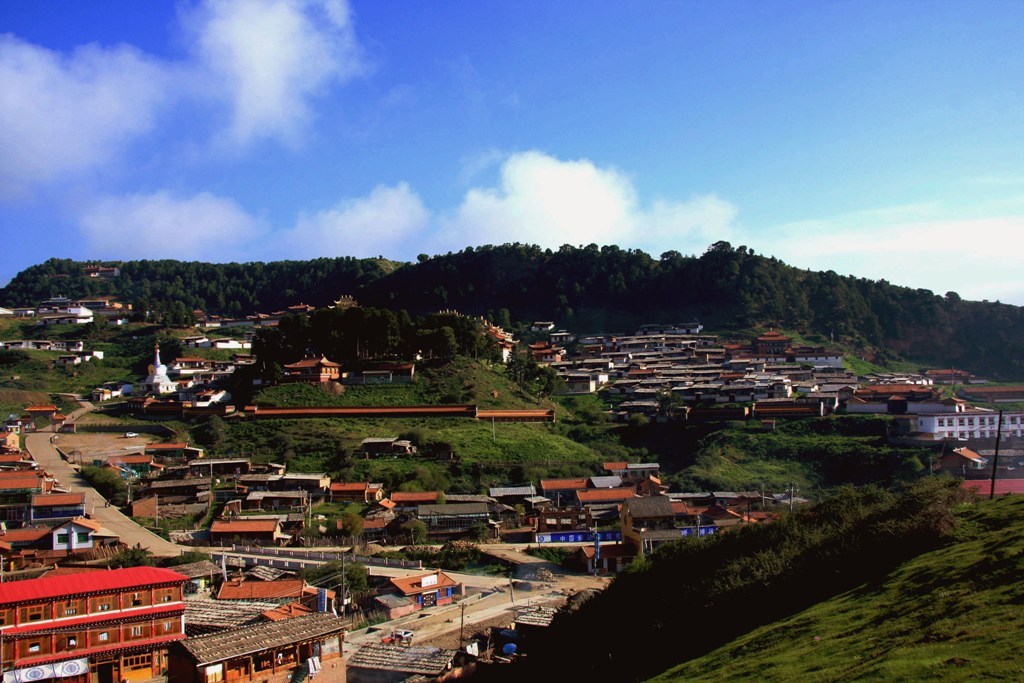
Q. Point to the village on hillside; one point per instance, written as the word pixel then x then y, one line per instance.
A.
pixel 285 574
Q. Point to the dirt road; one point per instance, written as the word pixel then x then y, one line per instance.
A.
pixel 39 445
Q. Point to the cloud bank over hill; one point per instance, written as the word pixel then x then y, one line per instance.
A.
pixel 267 129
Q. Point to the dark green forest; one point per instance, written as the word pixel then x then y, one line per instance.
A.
pixel 587 289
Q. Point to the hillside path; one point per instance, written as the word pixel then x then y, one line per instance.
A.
pixel 41 447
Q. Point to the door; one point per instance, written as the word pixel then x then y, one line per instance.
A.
pixel 105 673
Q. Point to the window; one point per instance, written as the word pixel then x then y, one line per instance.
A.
pixel 136 631
pixel 103 606
pixel 62 539
pixel 82 537
pixel 104 636
pixel 33 647
pixel 72 642
pixel 168 626
pixel 70 611
pixel 136 600
pixel 137 662
pixel 33 613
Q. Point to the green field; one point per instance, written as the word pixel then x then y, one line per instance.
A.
pixel 956 613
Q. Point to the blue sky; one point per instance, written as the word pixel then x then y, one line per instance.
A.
pixel 880 139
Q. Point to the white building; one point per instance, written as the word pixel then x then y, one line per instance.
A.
pixel 970 424
pixel 157 381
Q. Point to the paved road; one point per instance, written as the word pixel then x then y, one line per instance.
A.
pixel 38 444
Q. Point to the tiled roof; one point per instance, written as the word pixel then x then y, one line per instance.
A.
pixel 20 480
pixel 194 570
pixel 218 647
pixel 426 661
pixel 25 535
pixel 411 585
pixel 610 550
pixel 418 497
pixel 354 487
pixel 604 495
pixel 449 509
pixel 236 589
pixel 133 459
pixel 312 363
pixel 652 506
pixel 244 527
pixel 93 524
pixel 89 582
pixel 287 611
pixel 47 499
pixel 499 491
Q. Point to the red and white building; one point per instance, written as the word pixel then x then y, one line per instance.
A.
pixel 93 627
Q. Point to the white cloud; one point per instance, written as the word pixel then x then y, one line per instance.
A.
pixel 160 225
pixel 264 61
pixel 543 200
pixel 270 58
pixel 915 246
pixel 60 114
pixel 385 222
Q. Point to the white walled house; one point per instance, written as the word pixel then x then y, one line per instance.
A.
pixel 967 425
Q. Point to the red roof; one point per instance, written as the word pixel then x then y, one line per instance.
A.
pixel 312 363
pixel 26 535
pixel 611 550
pixel 413 585
pixel 354 487
pixel 286 611
pixel 237 589
pixel 614 466
pixel 44 499
pixel 245 527
pixel 89 582
pixel 414 496
pixel 41 409
pixel 133 459
pixel 605 495
pixel 165 446
pixel 20 479
pixel 1003 486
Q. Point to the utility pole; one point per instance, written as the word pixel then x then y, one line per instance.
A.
pixel 995 458
pixel 462 625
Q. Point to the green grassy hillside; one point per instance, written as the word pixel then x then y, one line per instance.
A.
pixel 956 613
pixel 486 455
pixel 461 381
pixel 700 596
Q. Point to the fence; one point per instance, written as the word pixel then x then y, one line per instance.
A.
pixel 319 556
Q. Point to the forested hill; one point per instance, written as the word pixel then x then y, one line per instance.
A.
pixel 586 289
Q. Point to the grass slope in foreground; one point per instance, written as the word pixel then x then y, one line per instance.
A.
pixel 950 614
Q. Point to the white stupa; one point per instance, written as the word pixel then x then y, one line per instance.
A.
pixel 157 381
